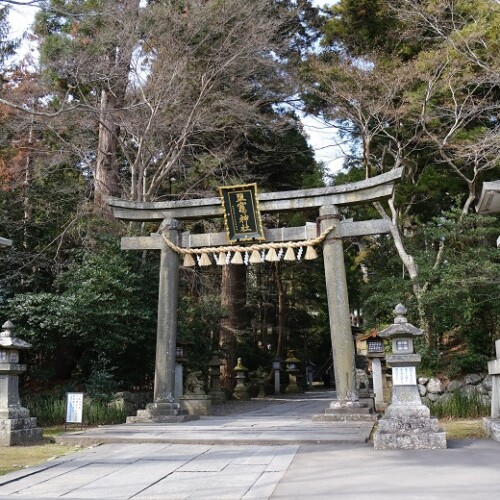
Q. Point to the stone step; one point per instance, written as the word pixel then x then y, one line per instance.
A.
pixel 346 417
pixel 349 410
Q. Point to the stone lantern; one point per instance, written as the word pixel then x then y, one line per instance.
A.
pixel 215 392
pixel 294 374
pixel 406 423
pixel 241 390
pixel 16 426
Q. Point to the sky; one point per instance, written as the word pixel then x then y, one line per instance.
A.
pixel 321 137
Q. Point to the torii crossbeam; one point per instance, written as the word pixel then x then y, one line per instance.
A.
pixel 326 200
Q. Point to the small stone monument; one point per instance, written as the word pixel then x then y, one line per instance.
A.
pixel 195 401
pixel 16 425
pixel 407 423
pixel 492 424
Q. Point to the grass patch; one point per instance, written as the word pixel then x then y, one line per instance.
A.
pixel 460 405
pixel 463 428
pixel 55 430
pixel 18 457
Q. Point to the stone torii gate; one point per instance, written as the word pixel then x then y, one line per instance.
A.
pixel 326 200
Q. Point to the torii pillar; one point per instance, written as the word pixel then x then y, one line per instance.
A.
pixel 164 408
pixel 167 320
pixel 338 306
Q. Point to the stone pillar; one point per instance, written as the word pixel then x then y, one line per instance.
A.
pixel 166 330
pixel 492 424
pixel 347 405
pixel 378 384
pixel 164 408
pixel 494 371
pixel 179 382
pixel 16 425
pixel 338 307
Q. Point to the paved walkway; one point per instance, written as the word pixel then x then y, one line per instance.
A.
pixel 151 462
pixel 281 421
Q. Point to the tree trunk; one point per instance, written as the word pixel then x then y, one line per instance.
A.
pixel 280 348
pixel 233 299
pixel 106 176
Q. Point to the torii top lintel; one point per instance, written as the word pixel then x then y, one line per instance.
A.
pixel 373 189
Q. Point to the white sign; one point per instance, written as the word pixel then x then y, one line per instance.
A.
pixel 74 407
pixel 404 375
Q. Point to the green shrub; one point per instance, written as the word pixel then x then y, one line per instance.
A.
pixel 99 413
pixel 48 409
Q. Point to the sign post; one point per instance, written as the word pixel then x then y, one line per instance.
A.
pixel 74 408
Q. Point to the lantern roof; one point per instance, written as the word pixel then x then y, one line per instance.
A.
pixel 401 327
pixel 7 340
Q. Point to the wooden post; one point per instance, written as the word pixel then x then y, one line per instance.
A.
pixel 338 306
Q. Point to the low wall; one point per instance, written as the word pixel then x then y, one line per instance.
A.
pixel 433 389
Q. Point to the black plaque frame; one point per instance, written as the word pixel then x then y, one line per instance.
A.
pixel 241 213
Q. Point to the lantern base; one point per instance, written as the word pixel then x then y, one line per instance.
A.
pixel 19 431
pixel 409 434
pixel 240 393
pixel 408 427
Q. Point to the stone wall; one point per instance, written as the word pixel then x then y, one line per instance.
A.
pixel 433 389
